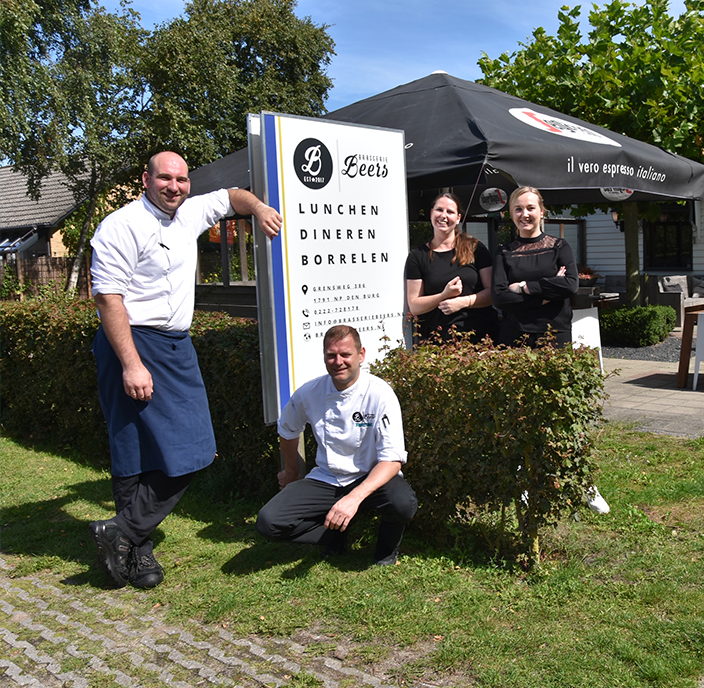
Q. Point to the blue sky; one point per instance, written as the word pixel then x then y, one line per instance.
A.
pixel 381 44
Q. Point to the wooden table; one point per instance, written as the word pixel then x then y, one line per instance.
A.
pixel 690 318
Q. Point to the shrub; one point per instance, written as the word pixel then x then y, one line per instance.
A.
pixel 485 426
pixel 49 388
pixel 10 287
pixel 248 450
pixel 639 326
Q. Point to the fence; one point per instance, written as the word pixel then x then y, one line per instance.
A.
pixel 229 253
pixel 21 277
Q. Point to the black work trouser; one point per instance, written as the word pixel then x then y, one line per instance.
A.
pixel 143 501
pixel 297 513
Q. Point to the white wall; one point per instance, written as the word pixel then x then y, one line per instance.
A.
pixel 606 248
pixel 606 252
pixel 479 230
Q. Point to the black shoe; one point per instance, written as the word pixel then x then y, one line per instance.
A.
pixel 144 570
pixel 388 560
pixel 113 550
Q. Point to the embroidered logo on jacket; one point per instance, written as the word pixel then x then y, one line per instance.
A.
pixel 362 420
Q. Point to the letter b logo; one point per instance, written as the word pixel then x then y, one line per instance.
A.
pixel 313 163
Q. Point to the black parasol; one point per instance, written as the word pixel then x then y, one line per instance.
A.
pixel 462 134
pixel 459 133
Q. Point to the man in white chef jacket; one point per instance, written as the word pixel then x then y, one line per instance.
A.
pixel 356 421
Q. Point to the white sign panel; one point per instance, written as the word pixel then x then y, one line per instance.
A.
pixel 340 256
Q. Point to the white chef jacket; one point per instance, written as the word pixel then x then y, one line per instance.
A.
pixel 150 259
pixel 354 428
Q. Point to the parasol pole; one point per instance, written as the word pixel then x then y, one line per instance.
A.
pixel 474 190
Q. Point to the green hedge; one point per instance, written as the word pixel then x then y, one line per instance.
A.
pixel 49 388
pixel 639 326
pixel 483 426
pixel 248 450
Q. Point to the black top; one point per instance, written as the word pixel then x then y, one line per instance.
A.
pixel 436 273
pixel 536 261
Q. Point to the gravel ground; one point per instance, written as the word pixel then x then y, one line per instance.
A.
pixel 667 351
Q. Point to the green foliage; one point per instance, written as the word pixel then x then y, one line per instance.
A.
pixel 92 94
pixel 248 450
pixel 419 233
pixel 32 34
pixel 73 225
pixel 639 326
pixel 639 71
pixel 74 94
pixel 484 426
pixel 87 122
pixel 223 60
pixel 101 113
pixel 49 387
pixel 10 287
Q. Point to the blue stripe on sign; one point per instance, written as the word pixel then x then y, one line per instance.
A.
pixel 272 171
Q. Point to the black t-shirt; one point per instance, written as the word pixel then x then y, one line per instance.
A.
pixel 436 273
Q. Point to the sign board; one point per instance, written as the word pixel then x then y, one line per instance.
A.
pixel 340 256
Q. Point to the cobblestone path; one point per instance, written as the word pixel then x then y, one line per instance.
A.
pixel 52 634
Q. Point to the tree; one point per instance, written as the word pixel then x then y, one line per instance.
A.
pixel 227 58
pixel 92 94
pixel 103 98
pixel 77 101
pixel 33 35
pixel 639 73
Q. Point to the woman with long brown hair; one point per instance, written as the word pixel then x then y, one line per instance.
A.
pixel 448 280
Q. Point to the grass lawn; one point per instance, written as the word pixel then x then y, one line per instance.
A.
pixel 618 600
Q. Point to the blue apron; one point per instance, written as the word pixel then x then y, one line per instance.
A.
pixel 171 433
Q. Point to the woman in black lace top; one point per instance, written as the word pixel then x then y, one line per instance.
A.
pixel 533 279
pixel 534 276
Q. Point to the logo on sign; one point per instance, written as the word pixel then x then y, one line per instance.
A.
pixel 493 199
pixel 313 163
pixel 613 193
pixel 363 165
pixel 561 127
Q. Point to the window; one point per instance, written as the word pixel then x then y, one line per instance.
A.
pixel 667 242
